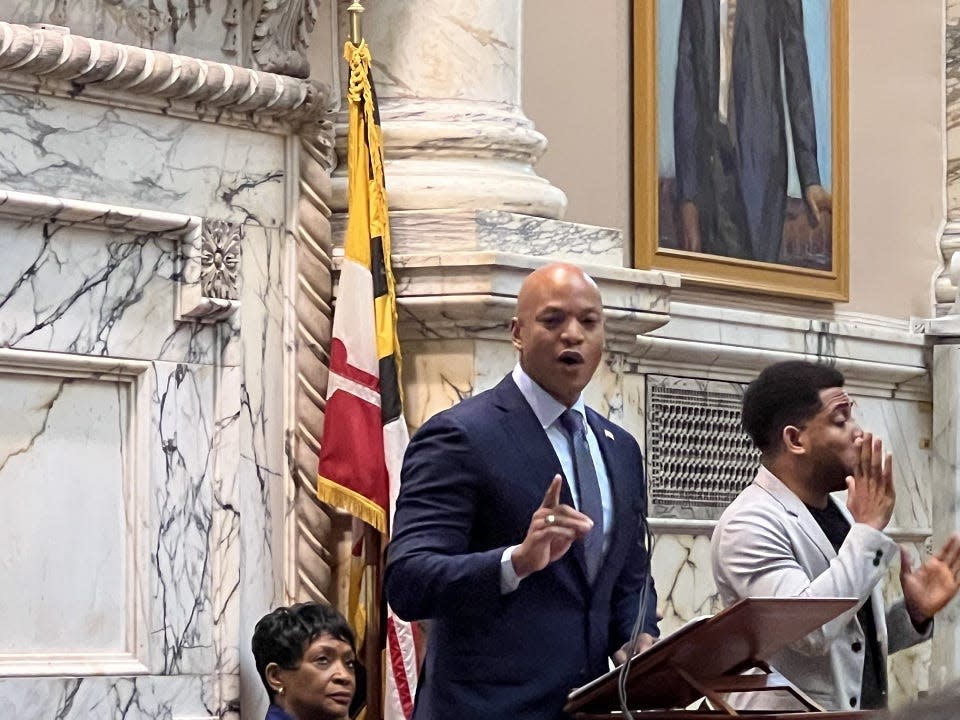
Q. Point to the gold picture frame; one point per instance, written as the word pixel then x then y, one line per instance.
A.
pixel 817 264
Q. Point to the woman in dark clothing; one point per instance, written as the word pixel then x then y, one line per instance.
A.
pixel 306 658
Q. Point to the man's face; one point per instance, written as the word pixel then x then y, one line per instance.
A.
pixel 559 330
pixel 829 437
pixel 323 684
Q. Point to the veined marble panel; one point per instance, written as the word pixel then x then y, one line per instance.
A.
pixel 94 292
pixel 145 698
pixel 263 481
pixel 112 155
pixel 182 459
pixel 908 670
pixel 683 578
pixel 74 489
pixel 906 430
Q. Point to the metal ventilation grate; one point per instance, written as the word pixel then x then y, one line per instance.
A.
pixel 698 456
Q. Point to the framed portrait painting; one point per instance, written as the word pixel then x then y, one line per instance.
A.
pixel 740 143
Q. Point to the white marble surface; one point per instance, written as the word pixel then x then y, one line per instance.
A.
pixel 112 155
pixel 94 292
pixel 454 133
pixel 181 621
pixel 263 481
pixel 945 509
pixel 145 698
pixel 883 359
pixel 905 428
pixel 64 478
pixel 473 294
pixel 416 232
pixel 478 41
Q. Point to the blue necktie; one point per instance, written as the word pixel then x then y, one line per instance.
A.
pixel 588 488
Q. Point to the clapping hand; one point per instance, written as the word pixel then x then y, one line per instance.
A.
pixel 870 493
pixel 928 588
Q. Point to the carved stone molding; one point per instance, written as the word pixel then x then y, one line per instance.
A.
pixel 193 301
pixel 319 531
pixel 57 63
pixel 282 34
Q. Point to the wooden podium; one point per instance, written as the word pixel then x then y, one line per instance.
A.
pixel 704 660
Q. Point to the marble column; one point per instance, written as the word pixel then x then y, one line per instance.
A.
pixel 448 82
pixel 459 151
pixel 945 659
pixel 944 329
pixel 945 289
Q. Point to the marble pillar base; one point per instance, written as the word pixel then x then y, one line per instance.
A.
pixel 426 232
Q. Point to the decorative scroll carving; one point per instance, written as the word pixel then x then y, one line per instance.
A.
pixel 220 259
pixel 282 34
pixel 231 19
pixel 319 529
pixel 58 63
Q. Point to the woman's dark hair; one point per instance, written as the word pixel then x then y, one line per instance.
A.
pixel 787 393
pixel 283 635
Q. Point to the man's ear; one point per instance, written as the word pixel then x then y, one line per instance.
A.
pixel 792 443
pixel 272 673
pixel 515 333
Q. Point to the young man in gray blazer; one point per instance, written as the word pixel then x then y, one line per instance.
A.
pixel 785 536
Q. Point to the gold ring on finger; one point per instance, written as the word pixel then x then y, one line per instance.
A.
pixel 551 519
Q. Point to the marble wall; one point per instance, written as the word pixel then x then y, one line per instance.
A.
pixel 146 307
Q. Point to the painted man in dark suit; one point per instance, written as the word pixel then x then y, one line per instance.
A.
pixel 730 134
pixel 518 530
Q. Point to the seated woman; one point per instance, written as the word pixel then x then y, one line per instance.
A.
pixel 306 658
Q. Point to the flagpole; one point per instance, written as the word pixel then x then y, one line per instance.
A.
pixel 375 654
pixel 355 9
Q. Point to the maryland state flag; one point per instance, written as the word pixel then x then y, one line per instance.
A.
pixel 365 434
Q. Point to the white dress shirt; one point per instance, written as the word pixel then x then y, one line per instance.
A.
pixel 548 412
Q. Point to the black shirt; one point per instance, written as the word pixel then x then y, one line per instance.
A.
pixel 873 688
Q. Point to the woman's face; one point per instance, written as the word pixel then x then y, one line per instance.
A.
pixel 322 687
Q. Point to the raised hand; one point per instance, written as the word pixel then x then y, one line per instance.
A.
pixel 553 529
pixel 870 493
pixel 928 588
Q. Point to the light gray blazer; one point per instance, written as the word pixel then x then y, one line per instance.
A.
pixel 767 544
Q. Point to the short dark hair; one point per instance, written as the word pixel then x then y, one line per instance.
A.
pixel 283 635
pixel 786 393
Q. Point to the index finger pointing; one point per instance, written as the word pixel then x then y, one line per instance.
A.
pixel 552 497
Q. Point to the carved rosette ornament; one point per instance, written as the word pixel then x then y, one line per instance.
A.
pixel 220 259
pixel 281 36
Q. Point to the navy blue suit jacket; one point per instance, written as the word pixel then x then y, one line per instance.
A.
pixel 472 477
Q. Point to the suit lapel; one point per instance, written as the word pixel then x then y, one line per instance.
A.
pixel 795 507
pixel 521 422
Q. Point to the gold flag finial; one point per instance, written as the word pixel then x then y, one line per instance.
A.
pixel 355 9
